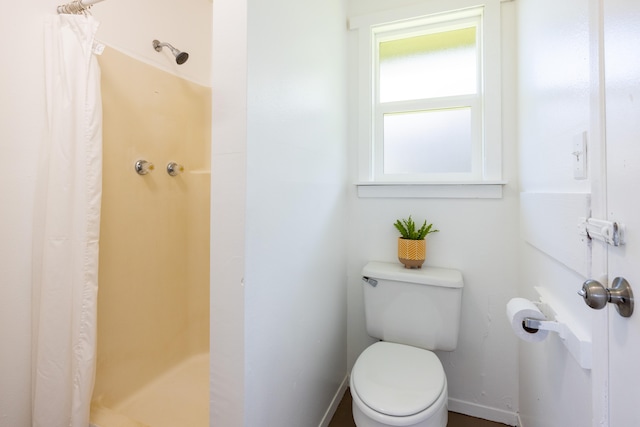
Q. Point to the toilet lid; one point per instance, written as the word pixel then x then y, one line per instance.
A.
pixel 398 380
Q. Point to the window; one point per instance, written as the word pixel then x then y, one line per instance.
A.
pixel 430 94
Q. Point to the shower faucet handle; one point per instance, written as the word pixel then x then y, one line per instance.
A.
pixel 143 167
pixel 174 169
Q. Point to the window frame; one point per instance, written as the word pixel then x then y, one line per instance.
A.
pixel 488 155
pixel 415 27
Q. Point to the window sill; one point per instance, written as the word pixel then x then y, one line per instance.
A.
pixel 444 190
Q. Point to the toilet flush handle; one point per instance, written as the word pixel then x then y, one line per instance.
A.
pixel 372 282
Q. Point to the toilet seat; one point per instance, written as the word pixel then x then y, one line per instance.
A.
pixel 396 380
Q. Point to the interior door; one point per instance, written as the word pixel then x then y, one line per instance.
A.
pixel 622 112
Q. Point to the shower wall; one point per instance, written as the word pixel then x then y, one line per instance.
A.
pixel 154 250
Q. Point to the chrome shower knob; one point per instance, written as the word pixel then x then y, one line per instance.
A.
pixel 174 169
pixel 143 167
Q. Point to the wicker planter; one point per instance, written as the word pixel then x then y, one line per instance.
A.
pixel 412 253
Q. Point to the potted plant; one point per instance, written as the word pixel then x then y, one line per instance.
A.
pixel 412 246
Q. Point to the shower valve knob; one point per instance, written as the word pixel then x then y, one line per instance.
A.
pixel 174 169
pixel 143 167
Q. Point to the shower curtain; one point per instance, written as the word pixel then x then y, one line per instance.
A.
pixel 67 227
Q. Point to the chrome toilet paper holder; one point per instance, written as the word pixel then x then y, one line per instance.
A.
pixel 532 326
pixel 548 323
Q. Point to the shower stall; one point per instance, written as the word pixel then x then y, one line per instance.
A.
pixel 153 300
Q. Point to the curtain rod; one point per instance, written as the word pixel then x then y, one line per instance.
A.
pixel 77 6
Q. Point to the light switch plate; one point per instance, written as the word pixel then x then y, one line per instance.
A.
pixel 579 155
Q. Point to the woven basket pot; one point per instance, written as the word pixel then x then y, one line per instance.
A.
pixel 412 253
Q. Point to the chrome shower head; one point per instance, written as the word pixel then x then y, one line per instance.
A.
pixel 181 57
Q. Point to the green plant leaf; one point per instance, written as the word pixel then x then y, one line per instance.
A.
pixel 402 229
pixel 407 229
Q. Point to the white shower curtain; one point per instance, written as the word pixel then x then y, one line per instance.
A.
pixel 67 227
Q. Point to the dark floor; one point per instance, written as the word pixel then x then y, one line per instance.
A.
pixel 343 417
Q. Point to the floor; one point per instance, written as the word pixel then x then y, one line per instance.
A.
pixel 343 418
pixel 183 393
pixel 179 397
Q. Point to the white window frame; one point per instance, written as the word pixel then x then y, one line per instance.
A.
pixel 487 173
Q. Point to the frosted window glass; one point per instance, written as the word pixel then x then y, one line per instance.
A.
pixel 428 66
pixel 424 142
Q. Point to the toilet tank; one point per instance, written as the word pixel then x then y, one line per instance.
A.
pixel 418 307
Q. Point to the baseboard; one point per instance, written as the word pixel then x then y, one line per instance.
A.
pixel 484 412
pixel 334 403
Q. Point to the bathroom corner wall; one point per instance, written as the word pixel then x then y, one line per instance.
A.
pixel 154 250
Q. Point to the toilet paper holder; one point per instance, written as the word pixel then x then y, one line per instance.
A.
pixel 532 326
pixel 547 323
pixel 575 338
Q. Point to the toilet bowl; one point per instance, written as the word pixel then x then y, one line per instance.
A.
pixel 399 381
pixel 398 385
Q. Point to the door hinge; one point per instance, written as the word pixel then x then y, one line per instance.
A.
pixel 610 232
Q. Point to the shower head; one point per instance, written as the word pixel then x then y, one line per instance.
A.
pixel 181 57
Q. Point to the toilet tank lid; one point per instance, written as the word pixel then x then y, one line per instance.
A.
pixel 435 276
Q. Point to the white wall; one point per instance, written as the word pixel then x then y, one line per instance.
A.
pixel 295 301
pixel 555 89
pixel 228 201
pixel 478 237
pixel 22 130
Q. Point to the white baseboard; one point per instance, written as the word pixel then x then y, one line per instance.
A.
pixel 484 412
pixel 334 403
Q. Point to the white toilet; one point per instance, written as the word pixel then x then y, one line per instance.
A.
pixel 399 381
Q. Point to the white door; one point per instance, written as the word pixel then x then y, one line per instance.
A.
pixel 622 112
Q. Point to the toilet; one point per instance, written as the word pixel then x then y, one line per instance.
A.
pixel 399 381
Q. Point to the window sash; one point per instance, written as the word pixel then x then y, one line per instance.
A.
pixel 433 25
pixel 473 102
